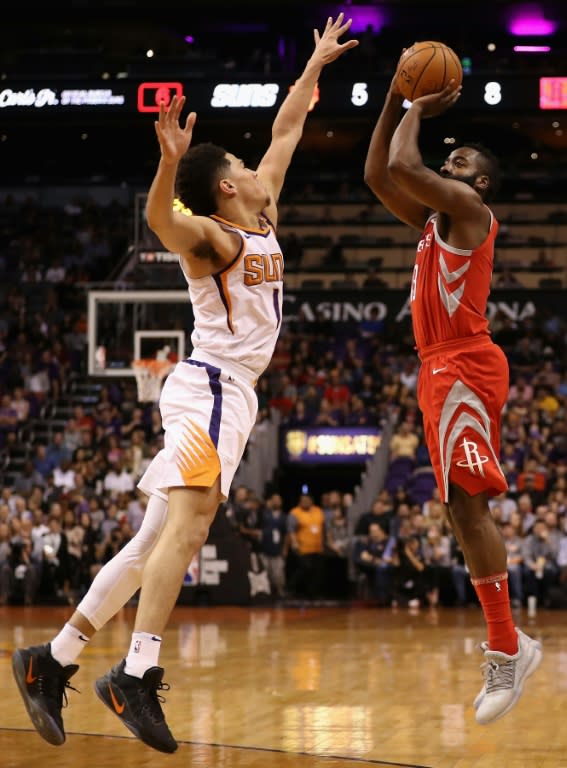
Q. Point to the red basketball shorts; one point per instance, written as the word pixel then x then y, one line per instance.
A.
pixel 462 390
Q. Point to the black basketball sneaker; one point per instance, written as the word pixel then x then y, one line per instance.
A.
pixel 42 682
pixel 137 703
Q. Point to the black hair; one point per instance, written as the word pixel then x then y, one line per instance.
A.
pixel 198 174
pixel 490 166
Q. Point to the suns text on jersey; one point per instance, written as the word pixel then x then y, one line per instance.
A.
pixel 263 268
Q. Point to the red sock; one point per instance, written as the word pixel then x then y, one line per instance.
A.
pixel 492 592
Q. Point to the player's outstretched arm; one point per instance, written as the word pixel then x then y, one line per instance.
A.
pixel 377 175
pixel 411 175
pixel 290 119
pixel 178 233
pixel 174 140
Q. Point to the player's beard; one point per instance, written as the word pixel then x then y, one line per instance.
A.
pixel 470 179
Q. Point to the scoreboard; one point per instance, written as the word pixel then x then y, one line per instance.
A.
pixel 221 98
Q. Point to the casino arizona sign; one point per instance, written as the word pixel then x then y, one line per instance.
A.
pixel 396 305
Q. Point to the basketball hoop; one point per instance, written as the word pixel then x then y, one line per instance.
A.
pixel 150 374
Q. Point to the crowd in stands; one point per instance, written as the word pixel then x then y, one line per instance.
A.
pixel 73 502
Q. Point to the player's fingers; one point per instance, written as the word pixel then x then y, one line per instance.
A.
pixel 179 107
pixel 167 110
pixel 449 90
pixel 190 121
pixel 172 110
pixel 339 20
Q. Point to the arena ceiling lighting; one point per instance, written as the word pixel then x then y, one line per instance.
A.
pixel 528 20
pixel 363 17
pixel 532 48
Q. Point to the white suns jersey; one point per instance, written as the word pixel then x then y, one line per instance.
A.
pixel 238 311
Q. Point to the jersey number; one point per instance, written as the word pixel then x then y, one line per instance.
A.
pixel 413 289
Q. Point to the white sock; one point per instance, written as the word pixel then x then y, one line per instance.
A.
pixel 68 644
pixel 143 653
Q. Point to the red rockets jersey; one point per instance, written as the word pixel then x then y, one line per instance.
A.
pixel 450 287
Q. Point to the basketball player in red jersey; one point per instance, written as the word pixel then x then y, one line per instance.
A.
pixel 463 379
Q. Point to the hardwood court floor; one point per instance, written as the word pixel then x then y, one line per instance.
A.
pixel 290 688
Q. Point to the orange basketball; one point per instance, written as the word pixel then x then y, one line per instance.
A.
pixel 427 67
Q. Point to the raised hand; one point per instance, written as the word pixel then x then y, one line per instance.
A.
pixel 174 139
pixel 436 103
pixel 327 46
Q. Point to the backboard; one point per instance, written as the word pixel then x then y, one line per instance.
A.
pixel 127 325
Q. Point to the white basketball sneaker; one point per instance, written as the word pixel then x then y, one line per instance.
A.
pixel 481 693
pixel 504 678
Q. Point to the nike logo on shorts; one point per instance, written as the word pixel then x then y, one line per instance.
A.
pixel 438 370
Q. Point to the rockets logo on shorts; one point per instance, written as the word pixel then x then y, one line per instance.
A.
pixel 473 460
pixel 467 437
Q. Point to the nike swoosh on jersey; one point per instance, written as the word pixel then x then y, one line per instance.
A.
pixel 438 370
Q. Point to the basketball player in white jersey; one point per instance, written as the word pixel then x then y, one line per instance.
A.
pixel 233 265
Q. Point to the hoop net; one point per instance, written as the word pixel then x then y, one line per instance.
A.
pixel 150 374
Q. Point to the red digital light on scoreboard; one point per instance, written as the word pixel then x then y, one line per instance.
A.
pixel 553 93
pixel 150 95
